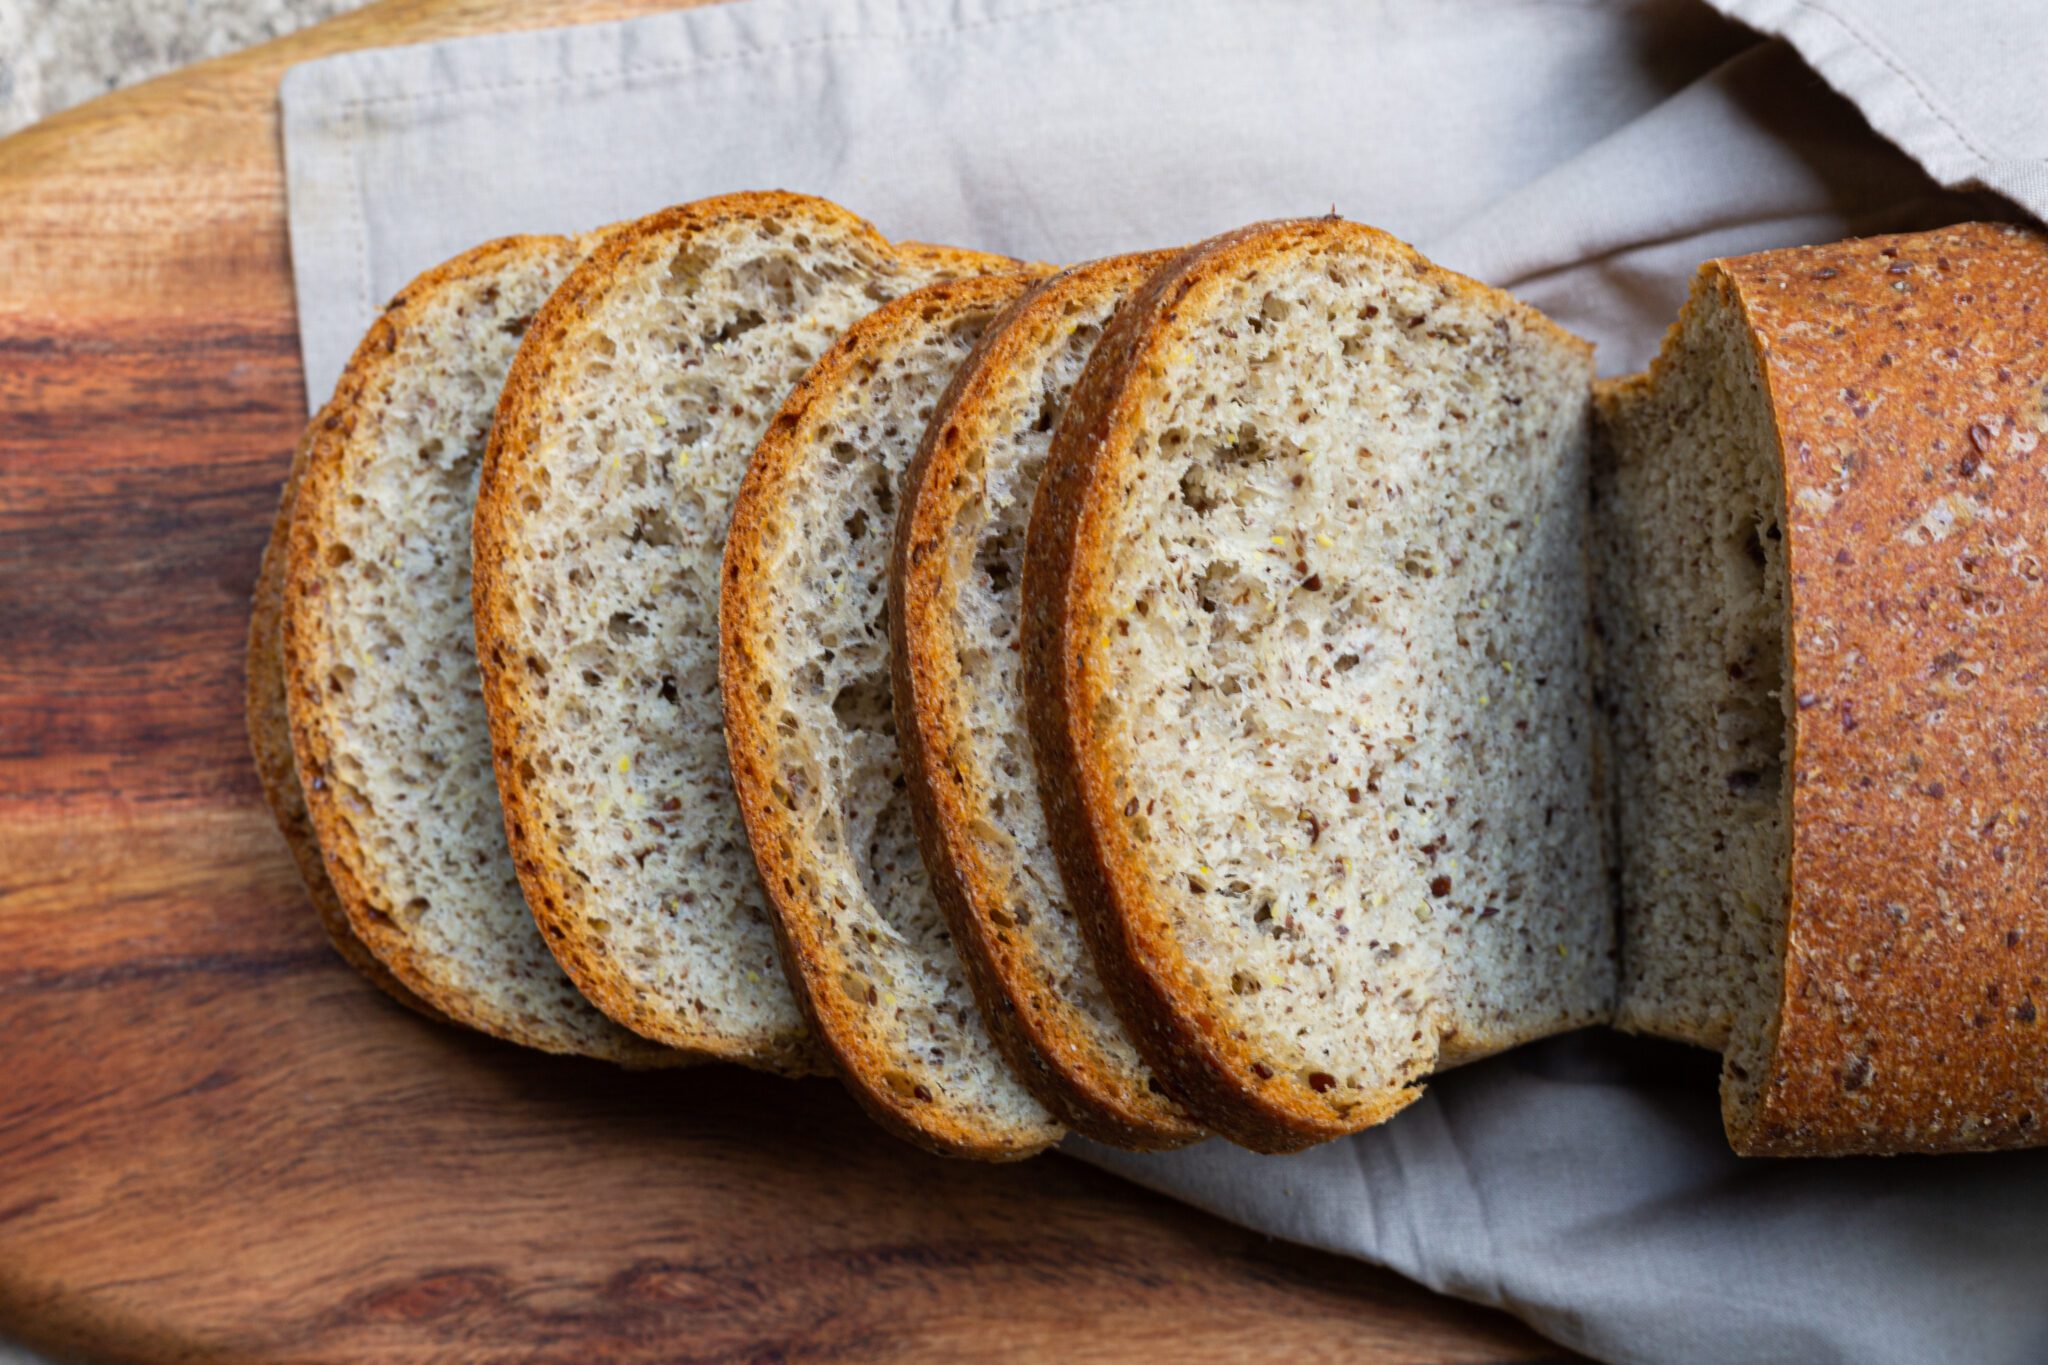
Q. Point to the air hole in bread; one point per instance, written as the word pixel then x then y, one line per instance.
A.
pixel 1196 491
pixel 687 266
pixel 737 326
pixel 864 705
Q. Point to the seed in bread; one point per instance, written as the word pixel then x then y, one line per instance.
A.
pixel 959 564
pixel 815 758
pixel 1306 670
pixel 632 409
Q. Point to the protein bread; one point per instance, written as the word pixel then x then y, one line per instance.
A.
pixel 1821 524
pixel 387 718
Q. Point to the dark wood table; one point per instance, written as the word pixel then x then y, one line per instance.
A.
pixel 214 1139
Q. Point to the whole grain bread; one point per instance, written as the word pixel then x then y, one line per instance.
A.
pixel 270 741
pixel 954 586
pixel 381 688
pixel 1306 673
pixel 804 667
pixel 626 425
pixel 1820 522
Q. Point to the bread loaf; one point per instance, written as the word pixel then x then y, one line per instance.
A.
pixel 636 400
pixel 959 565
pixel 387 718
pixel 1305 645
pixel 815 762
pixel 1821 524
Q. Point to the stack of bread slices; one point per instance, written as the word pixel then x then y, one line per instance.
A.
pixel 1201 692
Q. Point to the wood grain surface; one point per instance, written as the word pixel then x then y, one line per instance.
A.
pixel 215 1140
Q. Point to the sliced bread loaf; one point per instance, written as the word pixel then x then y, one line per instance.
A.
pixel 270 740
pixel 804 665
pixel 1820 520
pixel 381 685
pixel 1305 647
pixel 959 565
pixel 635 402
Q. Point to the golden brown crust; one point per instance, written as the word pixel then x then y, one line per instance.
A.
pixel 270 741
pixel 349 867
pixel 959 260
pixel 1908 382
pixel 552 889
pixel 1047 1046
pixel 814 966
pixel 1066 575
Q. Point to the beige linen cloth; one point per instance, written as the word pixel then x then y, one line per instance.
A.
pixel 1585 155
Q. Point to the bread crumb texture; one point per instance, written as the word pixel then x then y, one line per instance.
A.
pixel 1691 555
pixel 270 741
pixel 1335 653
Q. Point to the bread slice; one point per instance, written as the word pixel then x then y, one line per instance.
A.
pixel 1306 669
pixel 381 686
pixel 626 426
pixel 954 584
pixel 1820 527
pixel 804 663
pixel 270 741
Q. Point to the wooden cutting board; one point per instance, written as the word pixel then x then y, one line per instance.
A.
pixel 214 1139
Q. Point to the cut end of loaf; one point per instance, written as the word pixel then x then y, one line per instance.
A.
pixel 1826 502
pixel 1321 728
pixel 1690 546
